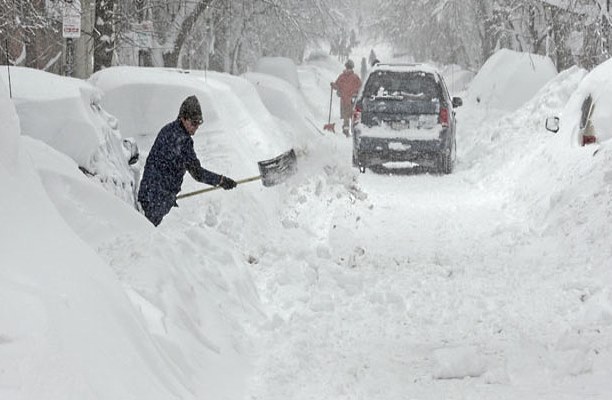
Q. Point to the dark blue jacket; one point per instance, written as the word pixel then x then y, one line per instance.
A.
pixel 170 157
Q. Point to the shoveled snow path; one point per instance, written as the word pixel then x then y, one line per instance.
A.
pixel 432 277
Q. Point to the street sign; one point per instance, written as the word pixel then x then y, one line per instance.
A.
pixel 71 26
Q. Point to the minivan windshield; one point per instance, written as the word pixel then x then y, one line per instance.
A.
pixel 395 84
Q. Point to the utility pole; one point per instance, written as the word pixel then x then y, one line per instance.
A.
pixel 71 29
pixel 84 46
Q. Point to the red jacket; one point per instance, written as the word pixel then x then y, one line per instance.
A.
pixel 347 84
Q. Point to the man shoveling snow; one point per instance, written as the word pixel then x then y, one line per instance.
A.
pixel 171 156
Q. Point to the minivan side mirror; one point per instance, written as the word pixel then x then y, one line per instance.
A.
pixel 552 124
pixel 457 102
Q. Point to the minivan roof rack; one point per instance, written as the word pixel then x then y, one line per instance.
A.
pixel 405 67
pixel 399 64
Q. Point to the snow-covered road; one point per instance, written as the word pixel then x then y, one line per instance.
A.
pixel 494 282
pixel 433 288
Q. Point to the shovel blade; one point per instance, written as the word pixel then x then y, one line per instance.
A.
pixel 330 127
pixel 278 169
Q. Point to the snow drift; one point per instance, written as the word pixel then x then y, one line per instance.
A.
pixel 508 79
pixel 66 114
pixel 67 322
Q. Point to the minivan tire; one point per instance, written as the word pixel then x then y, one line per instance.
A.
pixel 446 160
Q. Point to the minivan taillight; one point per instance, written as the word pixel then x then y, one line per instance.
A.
pixel 356 115
pixel 443 117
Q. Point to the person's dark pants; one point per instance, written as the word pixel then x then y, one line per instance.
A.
pixel 346 111
pixel 155 210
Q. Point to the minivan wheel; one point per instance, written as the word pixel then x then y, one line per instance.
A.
pixel 446 160
pixel 445 164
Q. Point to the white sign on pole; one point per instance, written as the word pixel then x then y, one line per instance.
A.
pixel 72 19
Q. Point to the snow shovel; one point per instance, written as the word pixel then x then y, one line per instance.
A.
pixel 329 126
pixel 271 172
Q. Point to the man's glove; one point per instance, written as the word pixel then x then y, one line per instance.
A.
pixel 227 183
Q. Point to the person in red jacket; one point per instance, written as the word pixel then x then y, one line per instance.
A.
pixel 347 85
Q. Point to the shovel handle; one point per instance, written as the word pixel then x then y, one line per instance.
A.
pixel 210 189
pixel 331 98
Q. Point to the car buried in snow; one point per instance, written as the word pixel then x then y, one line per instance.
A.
pixel 404 116
pixel 66 114
pixel 586 118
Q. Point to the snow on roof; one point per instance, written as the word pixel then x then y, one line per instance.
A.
pixel 417 67
pixel 60 111
pixel 29 83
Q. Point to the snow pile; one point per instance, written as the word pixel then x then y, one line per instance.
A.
pixel 9 126
pixel 508 79
pixel 458 362
pixel 457 79
pixel 281 67
pixel 69 331
pixel 317 92
pixel 499 143
pixel 66 114
pixel 287 104
pixel 190 291
pixel 562 193
pixel 236 124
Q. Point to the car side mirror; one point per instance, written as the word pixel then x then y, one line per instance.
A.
pixel 552 124
pixel 457 102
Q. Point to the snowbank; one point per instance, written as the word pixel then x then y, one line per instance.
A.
pixel 281 67
pixel 237 131
pixel 287 104
pixel 69 330
pixel 508 79
pixel 145 99
pixel 66 114
pixel 9 126
pixel 151 313
pixel 457 79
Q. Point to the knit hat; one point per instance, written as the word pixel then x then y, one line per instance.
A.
pixel 349 64
pixel 190 109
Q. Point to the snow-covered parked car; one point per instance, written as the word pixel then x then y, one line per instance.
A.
pixel 281 67
pixel 586 118
pixel 404 115
pixel 66 114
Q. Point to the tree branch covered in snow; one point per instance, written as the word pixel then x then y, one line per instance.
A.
pixel 467 32
pixel 30 31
